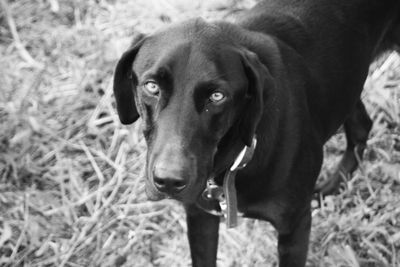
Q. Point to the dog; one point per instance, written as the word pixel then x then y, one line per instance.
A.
pixel 286 75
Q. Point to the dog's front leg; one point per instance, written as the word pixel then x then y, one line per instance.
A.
pixel 203 236
pixel 293 244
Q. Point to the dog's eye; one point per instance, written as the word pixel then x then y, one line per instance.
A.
pixel 217 97
pixel 152 88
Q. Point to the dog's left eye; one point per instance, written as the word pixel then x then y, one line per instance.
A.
pixel 217 97
pixel 152 87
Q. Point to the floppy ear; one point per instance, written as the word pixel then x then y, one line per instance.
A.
pixel 125 83
pixel 258 78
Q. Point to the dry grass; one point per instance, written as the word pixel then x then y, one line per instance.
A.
pixel 70 187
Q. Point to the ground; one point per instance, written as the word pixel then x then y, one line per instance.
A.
pixel 70 186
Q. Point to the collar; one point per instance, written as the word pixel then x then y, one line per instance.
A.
pixel 225 195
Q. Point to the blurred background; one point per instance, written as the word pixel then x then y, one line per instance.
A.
pixel 71 192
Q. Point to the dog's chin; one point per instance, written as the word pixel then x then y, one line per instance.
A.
pixel 186 198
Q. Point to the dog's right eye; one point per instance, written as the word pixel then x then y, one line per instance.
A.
pixel 152 87
pixel 217 97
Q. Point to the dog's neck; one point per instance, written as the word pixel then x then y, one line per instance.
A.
pixel 226 195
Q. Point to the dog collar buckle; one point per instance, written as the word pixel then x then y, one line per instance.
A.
pixel 213 191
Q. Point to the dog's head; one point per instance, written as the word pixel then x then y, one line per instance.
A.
pixel 200 96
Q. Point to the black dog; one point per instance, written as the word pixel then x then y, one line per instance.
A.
pixel 288 73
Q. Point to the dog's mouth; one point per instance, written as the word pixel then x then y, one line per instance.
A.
pixel 184 197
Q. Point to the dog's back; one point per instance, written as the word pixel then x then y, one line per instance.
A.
pixel 297 21
pixel 331 36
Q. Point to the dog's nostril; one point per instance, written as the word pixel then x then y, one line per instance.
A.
pixel 159 181
pixel 169 185
pixel 179 184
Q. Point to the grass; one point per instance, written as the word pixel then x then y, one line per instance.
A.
pixel 71 192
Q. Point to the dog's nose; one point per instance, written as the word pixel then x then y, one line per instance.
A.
pixel 168 182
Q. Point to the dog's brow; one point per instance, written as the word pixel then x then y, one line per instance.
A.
pixel 209 85
pixel 159 74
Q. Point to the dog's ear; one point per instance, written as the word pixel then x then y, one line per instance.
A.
pixel 125 82
pixel 258 78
